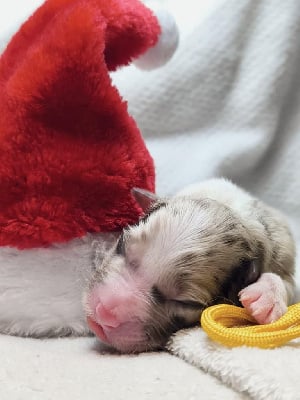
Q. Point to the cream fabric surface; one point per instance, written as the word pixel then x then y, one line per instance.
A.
pixel 259 373
pixel 78 369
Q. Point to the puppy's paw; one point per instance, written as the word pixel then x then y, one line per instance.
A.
pixel 266 299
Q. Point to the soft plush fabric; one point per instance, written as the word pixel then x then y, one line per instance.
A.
pixel 261 374
pixel 70 153
pixel 79 369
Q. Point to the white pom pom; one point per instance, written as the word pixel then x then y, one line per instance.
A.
pixel 167 43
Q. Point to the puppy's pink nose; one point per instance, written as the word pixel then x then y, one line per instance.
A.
pixel 116 303
pixel 106 317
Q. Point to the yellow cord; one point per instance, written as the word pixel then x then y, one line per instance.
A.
pixel 233 326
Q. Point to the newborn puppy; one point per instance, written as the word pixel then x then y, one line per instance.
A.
pixel 210 243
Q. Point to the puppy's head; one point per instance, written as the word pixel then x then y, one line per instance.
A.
pixel 182 256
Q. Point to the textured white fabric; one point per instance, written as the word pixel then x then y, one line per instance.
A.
pixel 78 369
pixel 222 106
pixel 227 104
pixel 261 374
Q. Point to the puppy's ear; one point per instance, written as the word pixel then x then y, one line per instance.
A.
pixel 144 198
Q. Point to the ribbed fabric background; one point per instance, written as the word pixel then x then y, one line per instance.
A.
pixel 228 102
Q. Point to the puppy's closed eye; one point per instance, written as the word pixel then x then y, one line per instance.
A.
pixel 188 304
pixel 159 297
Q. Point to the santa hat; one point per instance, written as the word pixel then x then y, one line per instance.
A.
pixel 70 152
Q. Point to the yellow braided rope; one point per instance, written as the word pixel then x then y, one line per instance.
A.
pixel 233 326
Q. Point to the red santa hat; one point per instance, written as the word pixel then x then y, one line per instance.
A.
pixel 70 152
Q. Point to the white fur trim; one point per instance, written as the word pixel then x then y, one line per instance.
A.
pixel 167 43
pixel 41 289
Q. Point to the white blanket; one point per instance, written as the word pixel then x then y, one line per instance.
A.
pixel 227 104
pixel 261 374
